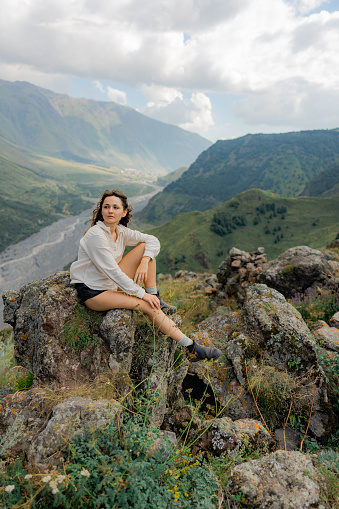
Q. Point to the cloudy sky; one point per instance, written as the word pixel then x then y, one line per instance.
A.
pixel 221 68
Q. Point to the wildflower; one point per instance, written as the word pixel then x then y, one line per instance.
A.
pixel 28 476
pixel 55 491
pixel 60 478
pixel 47 478
pixel 10 488
pixel 53 484
pixel 85 473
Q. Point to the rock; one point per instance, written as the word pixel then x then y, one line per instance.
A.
pixel 22 415
pixel 334 321
pixel 118 329
pixel 295 270
pixel 287 345
pixel 239 270
pixel 280 480
pixel 159 443
pixel 287 439
pixel 69 418
pixel 48 323
pixel 227 436
pixel 219 323
pixel 156 372
pixel 185 422
pixel 328 337
pixel 215 385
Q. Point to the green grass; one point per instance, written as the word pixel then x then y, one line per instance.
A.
pixel 188 242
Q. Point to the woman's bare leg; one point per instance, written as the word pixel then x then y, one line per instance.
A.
pixel 131 261
pixel 114 300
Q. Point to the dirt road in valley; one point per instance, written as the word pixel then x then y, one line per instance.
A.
pixel 49 250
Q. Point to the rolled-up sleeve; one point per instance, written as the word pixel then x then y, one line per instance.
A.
pixel 134 237
pixel 99 252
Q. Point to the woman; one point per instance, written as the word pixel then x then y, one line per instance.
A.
pixel 105 279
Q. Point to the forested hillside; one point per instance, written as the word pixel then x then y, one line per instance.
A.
pixel 326 183
pixel 282 163
pixel 201 240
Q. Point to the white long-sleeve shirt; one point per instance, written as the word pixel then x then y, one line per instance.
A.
pixel 98 258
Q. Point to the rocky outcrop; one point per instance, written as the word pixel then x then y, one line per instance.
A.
pixel 269 362
pixel 280 480
pixel 241 269
pixel 69 418
pixel 266 345
pixel 295 270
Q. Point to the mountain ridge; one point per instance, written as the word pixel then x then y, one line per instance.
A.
pixel 282 163
pixel 89 131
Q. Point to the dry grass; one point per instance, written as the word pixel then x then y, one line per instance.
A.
pixel 192 304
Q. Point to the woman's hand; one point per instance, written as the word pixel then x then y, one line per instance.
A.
pixel 152 300
pixel 142 271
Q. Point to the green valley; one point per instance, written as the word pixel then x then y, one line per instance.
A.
pixel 200 241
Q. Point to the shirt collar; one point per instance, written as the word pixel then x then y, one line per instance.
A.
pixel 106 228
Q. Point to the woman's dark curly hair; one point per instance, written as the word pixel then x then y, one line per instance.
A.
pixel 97 212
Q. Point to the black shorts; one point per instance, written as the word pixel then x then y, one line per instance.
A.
pixel 85 293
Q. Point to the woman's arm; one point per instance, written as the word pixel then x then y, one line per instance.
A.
pixel 134 237
pixel 99 251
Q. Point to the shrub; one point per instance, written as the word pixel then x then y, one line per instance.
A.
pixel 116 468
pixel 314 306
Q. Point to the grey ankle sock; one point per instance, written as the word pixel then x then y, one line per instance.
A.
pixel 152 290
pixel 185 341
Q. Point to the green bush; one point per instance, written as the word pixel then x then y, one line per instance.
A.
pixel 116 468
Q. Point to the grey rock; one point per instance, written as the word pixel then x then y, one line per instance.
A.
pixel 287 439
pixel 295 270
pixel 22 415
pixel 328 337
pixel 69 418
pixel 281 480
pixel 227 436
pixel 118 329
pixel 157 372
pixel 334 321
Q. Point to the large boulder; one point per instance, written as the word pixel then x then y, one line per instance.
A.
pixel 280 480
pixel 69 418
pixel 269 361
pixel 60 340
pixel 295 270
pixel 22 415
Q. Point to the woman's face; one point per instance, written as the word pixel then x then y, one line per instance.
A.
pixel 112 210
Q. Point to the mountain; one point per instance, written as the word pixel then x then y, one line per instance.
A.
pixel 29 201
pixel 38 190
pixel 90 132
pixel 283 163
pixel 200 241
pixel 326 183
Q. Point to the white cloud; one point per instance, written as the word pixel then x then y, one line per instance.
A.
pixel 183 50
pixel 294 103
pixel 169 105
pixel 117 96
pixel 99 86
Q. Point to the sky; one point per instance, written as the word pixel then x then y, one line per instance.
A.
pixel 219 68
